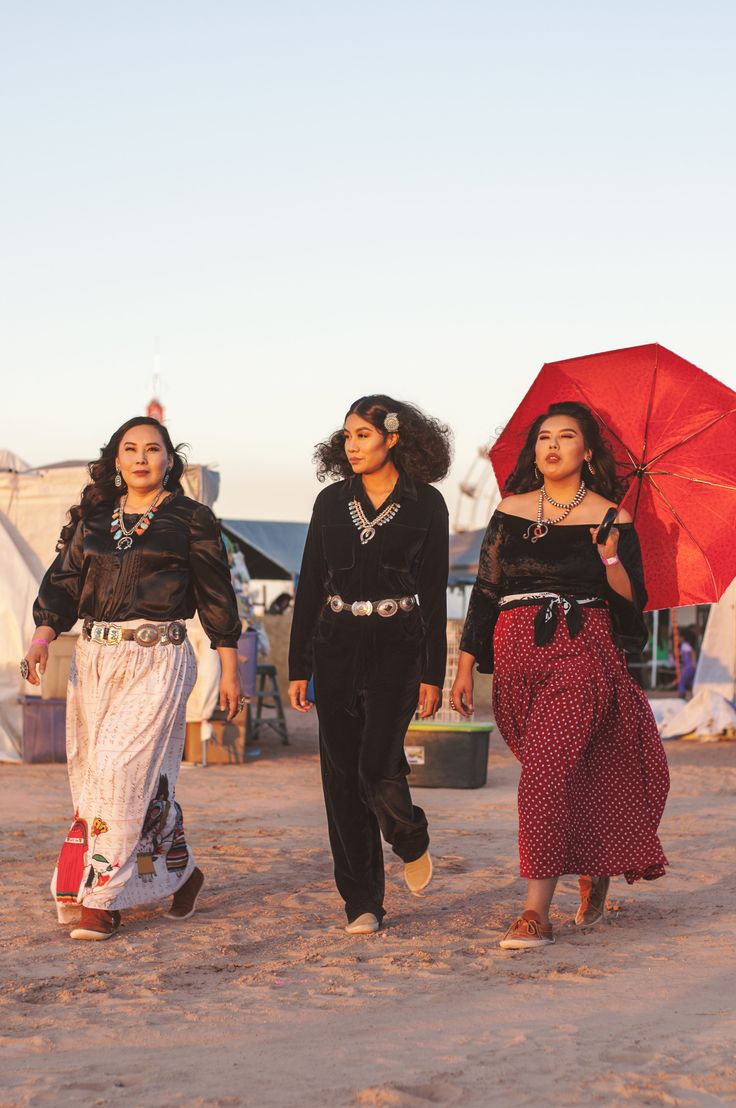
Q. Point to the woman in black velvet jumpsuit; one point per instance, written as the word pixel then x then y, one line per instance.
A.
pixel 369 624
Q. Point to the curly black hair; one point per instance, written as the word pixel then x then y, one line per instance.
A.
pixel 424 449
pixel 604 481
pixel 102 491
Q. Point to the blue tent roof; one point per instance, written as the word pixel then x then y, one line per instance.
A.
pixel 464 554
pixel 272 550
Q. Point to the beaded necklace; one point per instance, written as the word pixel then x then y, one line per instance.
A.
pixel 124 535
pixel 538 530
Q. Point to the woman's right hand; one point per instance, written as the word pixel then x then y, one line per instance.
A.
pixel 37 656
pixel 298 696
pixel 461 695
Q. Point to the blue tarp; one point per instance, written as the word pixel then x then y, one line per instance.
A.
pixel 464 554
pixel 272 550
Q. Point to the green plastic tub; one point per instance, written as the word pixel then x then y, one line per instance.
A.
pixel 448 755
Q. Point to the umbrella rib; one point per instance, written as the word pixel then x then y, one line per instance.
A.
pixel 695 480
pixel 650 403
pixel 688 532
pixel 700 431
pixel 599 417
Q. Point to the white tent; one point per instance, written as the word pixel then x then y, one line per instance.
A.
pixel 33 509
pixel 18 588
pixel 716 669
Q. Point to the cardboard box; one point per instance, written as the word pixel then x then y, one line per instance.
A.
pixel 54 681
pixel 226 748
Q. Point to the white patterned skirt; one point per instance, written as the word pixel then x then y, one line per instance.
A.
pixel 125 731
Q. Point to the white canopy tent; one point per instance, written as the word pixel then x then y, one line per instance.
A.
pixel 711 712
pixel 716 669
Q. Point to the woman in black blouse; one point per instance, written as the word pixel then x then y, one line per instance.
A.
pixel 137 558
pixel 370 624
pixel 550 615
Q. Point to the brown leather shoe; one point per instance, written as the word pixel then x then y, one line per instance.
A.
pixel 185 898
pixel 527 932
pixel 593 893
pixel 96 925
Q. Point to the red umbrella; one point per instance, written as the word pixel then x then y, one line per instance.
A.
pixel 672 428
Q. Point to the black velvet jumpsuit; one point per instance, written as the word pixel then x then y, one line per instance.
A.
pixel 367 671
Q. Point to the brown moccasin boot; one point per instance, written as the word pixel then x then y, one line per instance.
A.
pixel 418 874
pixel 527 932
pixel 185 898
pixel 593 893
pixel 96 925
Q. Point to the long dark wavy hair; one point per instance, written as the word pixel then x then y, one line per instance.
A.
pixel 101 490
pixel 424 449
pixel 604 481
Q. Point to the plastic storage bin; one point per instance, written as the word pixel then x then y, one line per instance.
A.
pixel 448 755
pixel 44 729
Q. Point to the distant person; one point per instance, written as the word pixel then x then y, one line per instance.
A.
pixel 370 623
pixel 137 558
pixel 550 615
pixel 280 604
pixel 688 662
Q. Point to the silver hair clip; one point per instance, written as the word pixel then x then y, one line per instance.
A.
pixel 391 422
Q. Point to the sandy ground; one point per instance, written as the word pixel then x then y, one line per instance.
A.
pixel 262 999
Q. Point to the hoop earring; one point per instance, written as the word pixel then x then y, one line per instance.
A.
pixel 537 474
pixel 590 466
pixel 118 478
pixel 166 478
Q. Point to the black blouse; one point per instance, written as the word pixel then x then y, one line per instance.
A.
pixel 564 561
pixel 407 556
pixel 178 566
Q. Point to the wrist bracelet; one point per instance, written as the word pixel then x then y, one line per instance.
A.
pixel 614 561
pixel 38 642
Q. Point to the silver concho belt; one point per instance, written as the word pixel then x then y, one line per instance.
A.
pixel 147 634
pixel 385 608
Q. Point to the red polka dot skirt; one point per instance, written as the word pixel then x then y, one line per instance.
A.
pixel 594 776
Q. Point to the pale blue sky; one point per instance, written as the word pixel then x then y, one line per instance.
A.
pixel 305 202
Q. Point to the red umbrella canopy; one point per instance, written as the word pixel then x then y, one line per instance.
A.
pixel 672 429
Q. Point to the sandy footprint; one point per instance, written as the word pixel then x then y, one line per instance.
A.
pixel 411 1096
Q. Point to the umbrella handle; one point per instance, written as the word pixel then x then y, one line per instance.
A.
pixel 605 528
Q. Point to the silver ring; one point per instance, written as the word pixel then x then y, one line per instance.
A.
pixel 24 670
pixel 453 705
pixel 242 701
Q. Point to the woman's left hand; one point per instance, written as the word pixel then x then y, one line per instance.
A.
pixel 230 692
pixel 609 549
pixel 230 695
pixel 430 699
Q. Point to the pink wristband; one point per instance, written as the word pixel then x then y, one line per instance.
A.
pixel 37 642
pixel 614 561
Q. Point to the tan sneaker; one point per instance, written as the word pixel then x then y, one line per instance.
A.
pixel 527 932
pixel 185 898
pixel 96 925
pixel 363 925
pixel 418 874
pixel 593 893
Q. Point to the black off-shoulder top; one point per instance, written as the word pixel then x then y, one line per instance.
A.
pixel 564 561
pixel 178 566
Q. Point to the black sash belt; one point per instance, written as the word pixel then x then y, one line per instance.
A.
pixel 545 621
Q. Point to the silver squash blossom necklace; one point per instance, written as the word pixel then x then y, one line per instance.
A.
pixel 538 530
pixel 367 527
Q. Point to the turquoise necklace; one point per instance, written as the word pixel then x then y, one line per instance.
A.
pixel 124 535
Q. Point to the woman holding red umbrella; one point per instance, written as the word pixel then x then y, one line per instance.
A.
pixel 551 614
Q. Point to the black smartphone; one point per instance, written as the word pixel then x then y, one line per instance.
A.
pixel 605 528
